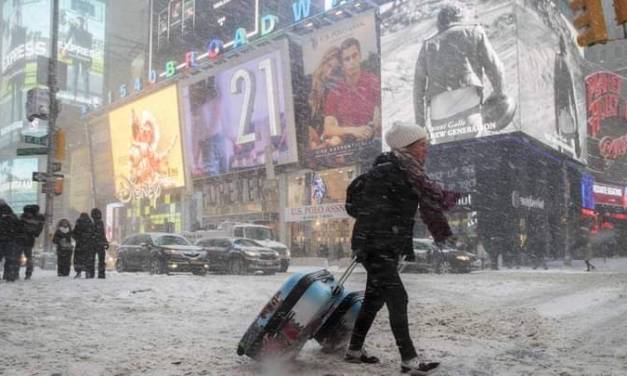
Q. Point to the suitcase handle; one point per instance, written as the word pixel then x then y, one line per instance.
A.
pixel 345 275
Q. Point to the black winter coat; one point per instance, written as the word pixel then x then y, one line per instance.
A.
pixel 9 224
pixel 31 227
pixel 84 234
pixel 100 238
pixel 390 227
pixel 63 240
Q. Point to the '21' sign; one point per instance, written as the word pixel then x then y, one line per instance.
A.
pixel 258 78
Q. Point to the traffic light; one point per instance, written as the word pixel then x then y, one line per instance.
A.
pixel 59 145
pixel 58 185
pixel 592 19
pixel 620 6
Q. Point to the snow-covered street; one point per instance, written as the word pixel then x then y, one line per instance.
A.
pixel 512 322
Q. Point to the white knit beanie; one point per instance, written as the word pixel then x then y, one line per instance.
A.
pixel 402 134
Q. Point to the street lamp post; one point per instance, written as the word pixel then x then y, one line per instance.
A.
pixel 54 111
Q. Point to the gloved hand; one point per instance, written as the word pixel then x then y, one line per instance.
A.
pixel 359 255
pixel 106 246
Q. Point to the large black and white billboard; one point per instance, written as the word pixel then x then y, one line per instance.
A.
pixel 472 69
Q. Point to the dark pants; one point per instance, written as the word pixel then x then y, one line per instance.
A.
pixel 28 253
pixel 64 260
pixel 384 286
pixel 79 260
pixel 102 254
pixel 12 253
pixel 90 264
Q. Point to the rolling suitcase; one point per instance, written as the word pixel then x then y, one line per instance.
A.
pixel 293 315
pixel 337 328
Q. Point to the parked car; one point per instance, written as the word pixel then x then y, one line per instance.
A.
pixel 258 233
pixel 429 258
pixel 240 256
pixel 160 253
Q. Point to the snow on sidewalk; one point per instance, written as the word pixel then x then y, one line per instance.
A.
pixel 485 323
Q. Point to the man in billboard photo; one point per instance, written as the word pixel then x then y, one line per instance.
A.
pixel 352 110
pixel 566 119
pixel 448 81
pixel 15 75
pixel 78 46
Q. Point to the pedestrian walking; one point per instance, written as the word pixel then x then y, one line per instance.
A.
pixel 588 234
pixel 63 240
pixel 32 223
pixel 9 249
pixel 100 241
pixel 384 202
pixel 83 234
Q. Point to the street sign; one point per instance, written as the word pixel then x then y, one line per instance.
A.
pixel 35 140
pixel 40 176
pixel 56 166
pixel 32 151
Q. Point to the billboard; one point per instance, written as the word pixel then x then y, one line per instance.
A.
pixel 239 115
pixel 25 32
pixel 468 70
pixel 16 182
pixel 606 94
pixel 146 146
pixel 180 26
pixel 81 47
pixel 341 96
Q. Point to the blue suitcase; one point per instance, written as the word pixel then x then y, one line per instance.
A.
pixel 293 315
pixel 337 328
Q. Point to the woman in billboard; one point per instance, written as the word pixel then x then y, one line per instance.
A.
pixel 324 78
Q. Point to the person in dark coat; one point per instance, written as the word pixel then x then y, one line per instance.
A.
pixel 83 233
pixel 32 223
pixel 383 232
pixel 63 240
pixel 100 242
pixel 10 228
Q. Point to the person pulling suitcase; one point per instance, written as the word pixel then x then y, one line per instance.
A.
pixel 384 201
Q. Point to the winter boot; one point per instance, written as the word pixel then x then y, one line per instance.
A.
pixel 360 356
pixel 416 368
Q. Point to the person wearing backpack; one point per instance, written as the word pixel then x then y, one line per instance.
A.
pixel 384 201
pixel 32 223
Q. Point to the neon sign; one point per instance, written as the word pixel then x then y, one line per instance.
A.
pixel 300 10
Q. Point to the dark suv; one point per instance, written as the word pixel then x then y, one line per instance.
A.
pixel 161 253
pixel 240 256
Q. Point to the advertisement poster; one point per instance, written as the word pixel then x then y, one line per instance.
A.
pixel 239 116
pixel 81 47
pixel 25 31
pixel 146 146
pixel 318 195
pixel 16 182
pixel 342 95
pixel 472 69
pixel 607 126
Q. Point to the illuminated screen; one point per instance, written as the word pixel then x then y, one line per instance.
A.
pixel 237 116
pixel 146 146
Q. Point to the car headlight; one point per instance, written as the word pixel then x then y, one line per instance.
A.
pixel 251 253
pixel 288 253
pixel 463 258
